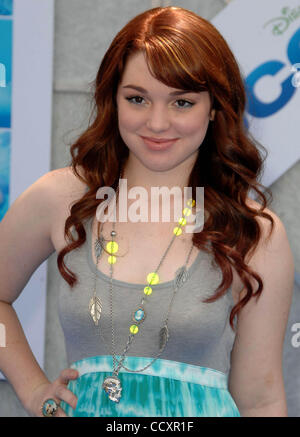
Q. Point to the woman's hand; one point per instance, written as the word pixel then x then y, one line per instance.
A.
pixel 56 390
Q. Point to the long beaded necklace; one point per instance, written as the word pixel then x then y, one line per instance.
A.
pixel 112 384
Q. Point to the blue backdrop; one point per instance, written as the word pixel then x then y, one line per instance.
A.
pixel 6 36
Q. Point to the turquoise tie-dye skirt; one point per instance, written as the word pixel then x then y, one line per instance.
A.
pixel 165 389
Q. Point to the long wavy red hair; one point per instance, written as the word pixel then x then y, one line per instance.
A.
pixel 183 51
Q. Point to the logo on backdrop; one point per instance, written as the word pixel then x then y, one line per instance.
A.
pixel 281 24
pixel 265 38
pixel 260 109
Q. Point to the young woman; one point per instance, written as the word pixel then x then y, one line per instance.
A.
pixel 157 321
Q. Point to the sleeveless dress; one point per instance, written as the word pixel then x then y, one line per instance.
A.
pixel 189 379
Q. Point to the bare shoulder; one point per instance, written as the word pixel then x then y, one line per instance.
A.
pixel 33 228
pixel 49 194
pixel 64 189
pixel 267 238
pixel 273 243
pixel 273 250
pixel 65 181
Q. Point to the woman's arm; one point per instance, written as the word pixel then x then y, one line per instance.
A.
pixel 256 379
pixel 25 235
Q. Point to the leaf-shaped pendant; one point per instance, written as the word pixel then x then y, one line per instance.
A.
pixel 163 337
pixel 95 308
pixel 181 276
pixel 99 246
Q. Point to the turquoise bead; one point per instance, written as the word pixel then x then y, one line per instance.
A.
pixel 139 315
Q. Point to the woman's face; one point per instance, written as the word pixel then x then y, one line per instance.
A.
pixel 147 109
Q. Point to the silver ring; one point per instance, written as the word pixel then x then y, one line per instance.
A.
pixel 49 408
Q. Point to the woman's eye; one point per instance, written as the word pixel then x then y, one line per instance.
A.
pixel 184 102
pixel 135 99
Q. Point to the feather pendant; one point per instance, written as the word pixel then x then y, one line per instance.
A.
pixel 163 337
pixel 181 276
pixel 95 308
pixel 99 246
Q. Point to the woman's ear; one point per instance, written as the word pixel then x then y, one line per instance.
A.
pixel 212 114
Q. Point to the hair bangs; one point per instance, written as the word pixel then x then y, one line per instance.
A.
pixel 169 63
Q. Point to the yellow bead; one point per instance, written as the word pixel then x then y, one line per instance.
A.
pixel 186 211
pixel 111 259
pixel 112 247
pixel 152 278
pixel 191 202
pixel 177 231
pixel 147 291
pixel 134 329
pixel 182 221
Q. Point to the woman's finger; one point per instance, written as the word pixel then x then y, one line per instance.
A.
pixel 66 375
pixel 64 394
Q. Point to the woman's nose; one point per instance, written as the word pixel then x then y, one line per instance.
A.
pixel 158 119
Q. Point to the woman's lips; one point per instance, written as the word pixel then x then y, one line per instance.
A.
pixel 158 144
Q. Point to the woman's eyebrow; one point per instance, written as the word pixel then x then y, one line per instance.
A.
pixel 142 90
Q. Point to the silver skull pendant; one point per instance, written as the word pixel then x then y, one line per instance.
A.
pixel 112 386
